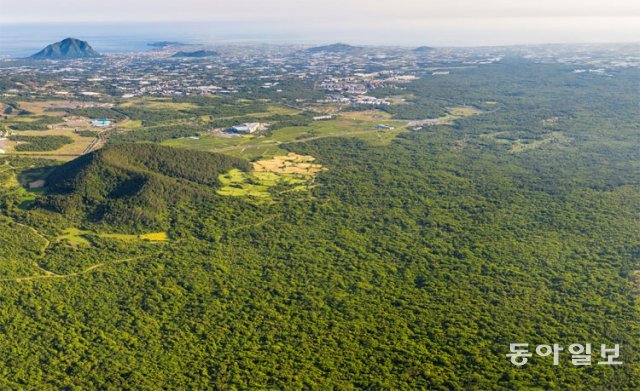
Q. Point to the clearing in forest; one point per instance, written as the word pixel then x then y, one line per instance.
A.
pixel 75 237
pixel 290 164
pixel 287 173
pixel 453 114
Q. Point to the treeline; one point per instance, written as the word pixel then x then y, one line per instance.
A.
pixel 40 143
pixel 87 133
pixel 39 123
pixel 98 112
pixel 157 133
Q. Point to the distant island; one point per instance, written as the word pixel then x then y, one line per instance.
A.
pixel 69 48
pixel 164 44
pixel 334 48
pixel 196 54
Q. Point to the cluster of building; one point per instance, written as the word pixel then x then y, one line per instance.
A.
pixel 346 77
pixel 241 69
pixel 355 100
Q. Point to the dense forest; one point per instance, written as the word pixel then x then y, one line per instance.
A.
pixel 409 265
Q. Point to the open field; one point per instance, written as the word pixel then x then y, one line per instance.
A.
pixel 157 103
pixel 152 236
pixel 75 237
pixel 129 124
pixel 453 114
pixel 351 124
pixel 290 164
pixel 79 144
pixel 287 173
pixel 40 108
pixel 551 138
pixel 516 145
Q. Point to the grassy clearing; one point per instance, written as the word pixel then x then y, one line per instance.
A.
pixel 236 183
pixel 453 114
pixel 464 111
pixel 75 237
pixel 23 119
pixel 158 103
pixel 152 236
pixel 516 145
pixel 155 236
pixel 289 164
pixel 130 124
pixel 74 149
pixel 40 108
pixel 551 138
pixel 287 173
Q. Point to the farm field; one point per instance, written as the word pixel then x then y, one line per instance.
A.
pixel 363 125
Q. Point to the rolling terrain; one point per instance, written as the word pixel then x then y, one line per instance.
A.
pixel 401 246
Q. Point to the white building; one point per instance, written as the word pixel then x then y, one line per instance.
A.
pixel 248 128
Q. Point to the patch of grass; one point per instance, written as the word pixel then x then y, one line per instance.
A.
pixel 158 103
pixel 155 236
pixel 77 237
pixel 463 111
pixel 66 152
pixel 550 138
pixel 74 237
pixel 130 124
pixel 287 173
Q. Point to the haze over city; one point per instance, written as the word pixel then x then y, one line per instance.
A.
pixel 402 22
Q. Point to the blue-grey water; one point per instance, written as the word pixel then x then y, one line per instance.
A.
pixel 21 40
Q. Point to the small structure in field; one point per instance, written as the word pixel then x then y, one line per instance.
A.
pixel 100 122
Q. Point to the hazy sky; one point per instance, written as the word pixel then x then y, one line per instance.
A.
pixel 408 22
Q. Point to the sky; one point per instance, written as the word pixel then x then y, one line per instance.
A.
pixel 392 22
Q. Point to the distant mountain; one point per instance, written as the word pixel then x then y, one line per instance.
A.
pixel 334 48
pixel 196 54
pixel 68 48
pixel 134 184
pixel 423 49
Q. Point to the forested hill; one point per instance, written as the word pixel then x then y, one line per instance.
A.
pixel 133 184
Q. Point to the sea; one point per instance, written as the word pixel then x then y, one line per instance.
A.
pixel 22 40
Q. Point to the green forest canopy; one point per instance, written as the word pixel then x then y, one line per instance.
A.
pixel 410 266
